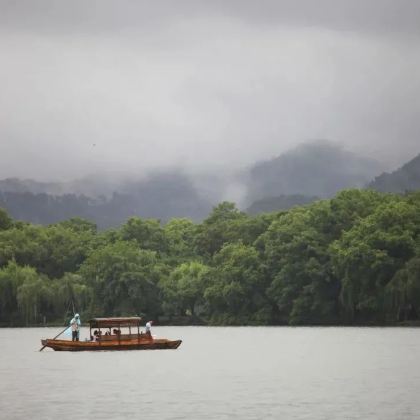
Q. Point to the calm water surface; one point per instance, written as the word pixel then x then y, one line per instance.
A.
pixel 218 373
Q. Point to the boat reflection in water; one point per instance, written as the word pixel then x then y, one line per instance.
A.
pixel 110 336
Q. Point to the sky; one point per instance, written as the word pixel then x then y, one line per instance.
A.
pixel 89 86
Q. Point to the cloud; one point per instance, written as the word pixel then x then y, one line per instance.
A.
pixel 133 86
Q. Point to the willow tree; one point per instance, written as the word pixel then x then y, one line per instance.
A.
pixel 403 292
pixel 183 289
pixel 237 293
pixel 124 279
pixel 368 256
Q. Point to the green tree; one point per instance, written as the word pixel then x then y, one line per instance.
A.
pixel 32 295
pixel 5 221
pixel 52 250
pixel 184 288
pixel 147 233
pixel 368 256
pixel 403 292
pixel 23 294
pixel 294 249
pixel 79 225
pixel 124 279
pixel 66 248
pixel 70 294
pixel 220 227
pixel 349 207
pixel 237 293
pixel 22 244
pixel 180 235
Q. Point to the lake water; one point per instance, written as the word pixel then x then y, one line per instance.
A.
pixel 218 373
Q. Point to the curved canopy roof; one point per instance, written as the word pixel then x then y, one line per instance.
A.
pixel 133 321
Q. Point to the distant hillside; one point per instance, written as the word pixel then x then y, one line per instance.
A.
pixel 92 185
pixel 29 185
pixel 312 169
pixel 161 196
pixel 296 177
pixel 406 178
pixel 283 202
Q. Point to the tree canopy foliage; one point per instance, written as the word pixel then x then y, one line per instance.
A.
pixel 352 259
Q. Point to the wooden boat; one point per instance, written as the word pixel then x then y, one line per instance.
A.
pixel 114 339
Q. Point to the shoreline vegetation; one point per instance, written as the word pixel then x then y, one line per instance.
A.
pixel 402 324
pixel 353 260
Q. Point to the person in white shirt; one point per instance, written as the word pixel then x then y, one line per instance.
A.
pixel 149 328
pixel 75 327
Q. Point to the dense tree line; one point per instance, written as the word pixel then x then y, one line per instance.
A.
pixel 353 259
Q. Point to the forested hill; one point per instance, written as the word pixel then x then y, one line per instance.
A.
pixel 296 177
pixel 17 185
pixel 406 178
pixel 159 196
pixel 311 169
pixel 353 259
pixel 293 178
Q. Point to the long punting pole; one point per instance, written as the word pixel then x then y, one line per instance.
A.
pixel 58 335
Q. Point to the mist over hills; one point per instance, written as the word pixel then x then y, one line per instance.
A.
pixel 95 185
pixel 312 169
pixel 405 178
pixel 299 176
pixel 160 196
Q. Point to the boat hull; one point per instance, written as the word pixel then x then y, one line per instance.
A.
pixel 67 345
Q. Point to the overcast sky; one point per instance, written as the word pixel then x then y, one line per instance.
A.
pixel 132 85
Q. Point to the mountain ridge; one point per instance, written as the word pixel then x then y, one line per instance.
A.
pixel 306 173
pixel 405 178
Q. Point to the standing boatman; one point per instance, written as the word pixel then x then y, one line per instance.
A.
pixel 149 328
pixel 75 327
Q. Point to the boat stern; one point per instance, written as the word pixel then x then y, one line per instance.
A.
pixel 175 344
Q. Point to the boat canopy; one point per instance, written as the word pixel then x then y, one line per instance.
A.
pixel 133 321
